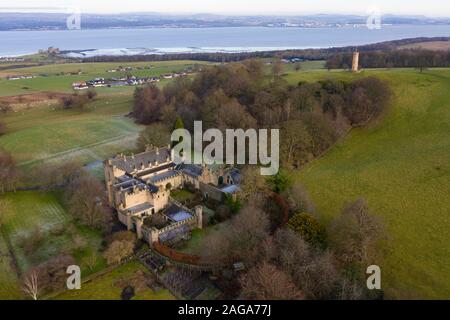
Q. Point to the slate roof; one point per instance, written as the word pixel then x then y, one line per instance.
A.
pixel 139 208
pixel 192 169
pixel 163 176
pixel 130 163
pixel 176 213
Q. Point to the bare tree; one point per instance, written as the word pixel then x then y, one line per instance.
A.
pixel 356 234
pixel 156 134
pixel 312 270
pixel 267 282
pixel 277 67
pixel 252 182
pixel 31 284
pixel 9 173
pixel 118 250
pixel 241 239
pixel 86 198
pixel 299 200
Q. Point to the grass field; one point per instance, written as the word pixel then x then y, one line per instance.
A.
pixel 28 210
pixel 105 287
pixel 47 134
pixel 57 78
pixel 9 283
pixel 402 167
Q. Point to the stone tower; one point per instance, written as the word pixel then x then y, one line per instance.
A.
pixel 199 216
pixel 355 62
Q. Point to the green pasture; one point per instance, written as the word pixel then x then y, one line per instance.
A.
pixel 402 167
pixel 57 77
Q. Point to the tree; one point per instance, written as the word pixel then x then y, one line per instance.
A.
pixel 277 67
pixel 297 66
pixel 178 124
pixel 311 269
pixel 73 101
pixel 155 134
pixel 31 285
pixel 370 97
pixel 31 242
pixel 252 182
pixel 297 143
pixel 52 274
pixel 299 199
pixel 356 235
pixel 118 250
pixel 241 239
pixel 85 197
pixel 52 175
pixel 148 104
pixel 279 182
pixel 308 228
pixel 91 94
pixel 9 173
pixel 267 282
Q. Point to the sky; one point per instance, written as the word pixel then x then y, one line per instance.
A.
pixel 437 8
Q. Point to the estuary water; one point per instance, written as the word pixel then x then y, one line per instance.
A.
pixel 90 42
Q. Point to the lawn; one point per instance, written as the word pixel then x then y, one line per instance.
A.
pixel 182 195
pixel 402 167
pixel 48 134
pixel 106 288
pixel 198 236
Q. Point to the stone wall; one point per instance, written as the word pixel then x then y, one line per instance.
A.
pixel 209 191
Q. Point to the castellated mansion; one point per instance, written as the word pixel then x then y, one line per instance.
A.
pixel 139 188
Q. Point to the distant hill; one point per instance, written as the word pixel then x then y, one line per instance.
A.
pixel 57 21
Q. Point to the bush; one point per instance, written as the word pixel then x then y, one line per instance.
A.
pixel 279 182
pixel 308 228
pixel 91 94
pixel 5 107
pixel 73 101
pixel 33 241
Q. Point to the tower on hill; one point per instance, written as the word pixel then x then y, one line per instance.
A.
pixel 355 62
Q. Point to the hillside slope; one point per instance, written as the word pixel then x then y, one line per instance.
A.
pixel 402 167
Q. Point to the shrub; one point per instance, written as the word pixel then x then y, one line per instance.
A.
pixel 308 228
pixel 91 94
